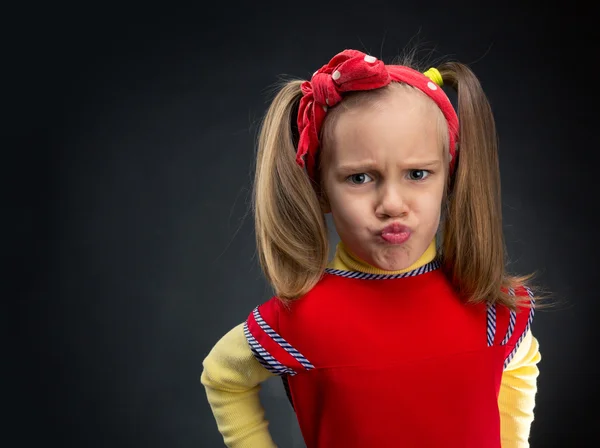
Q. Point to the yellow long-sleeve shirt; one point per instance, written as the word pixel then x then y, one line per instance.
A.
pixel 232 379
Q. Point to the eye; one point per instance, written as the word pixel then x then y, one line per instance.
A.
pixel 419 174
pixel 360 178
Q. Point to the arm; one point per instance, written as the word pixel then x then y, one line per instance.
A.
pixel 232 377
pixel 516 400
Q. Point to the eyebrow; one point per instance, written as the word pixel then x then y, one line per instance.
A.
pixel 370 165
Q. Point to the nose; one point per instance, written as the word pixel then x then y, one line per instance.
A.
pixel 391 202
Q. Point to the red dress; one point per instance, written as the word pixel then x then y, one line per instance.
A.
pixel 374 360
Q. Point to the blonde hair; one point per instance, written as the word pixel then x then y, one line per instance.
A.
pixel 473 249
pixel 291 230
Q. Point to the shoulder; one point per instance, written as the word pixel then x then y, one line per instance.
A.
pixel 508 327
pixel 263 334
pixel 276 332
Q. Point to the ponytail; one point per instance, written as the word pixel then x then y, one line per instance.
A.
pixel 291 231
pixel 473 248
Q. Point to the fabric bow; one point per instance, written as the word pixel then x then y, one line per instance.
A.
pixel 353 70
pixel 348 71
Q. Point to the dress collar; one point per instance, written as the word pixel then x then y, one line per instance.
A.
pixel 347 264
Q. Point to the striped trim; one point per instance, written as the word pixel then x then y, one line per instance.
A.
pixel 264 357
pixel 428 267
pixel 529 320
pixel 511 327
pixel 512 319
pixel 282 342
pixel 491 324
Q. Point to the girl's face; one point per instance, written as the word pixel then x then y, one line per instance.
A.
pixel 385 166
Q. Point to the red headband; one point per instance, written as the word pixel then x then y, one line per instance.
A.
pixel 353 70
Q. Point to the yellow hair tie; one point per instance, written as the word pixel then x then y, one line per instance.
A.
pixel 435 76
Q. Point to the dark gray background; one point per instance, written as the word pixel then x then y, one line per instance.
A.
pixel 129 145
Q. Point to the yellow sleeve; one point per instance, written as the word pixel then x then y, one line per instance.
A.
pixel 231 377
pixel 517 394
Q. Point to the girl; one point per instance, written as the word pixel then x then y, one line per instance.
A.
pixel 398 341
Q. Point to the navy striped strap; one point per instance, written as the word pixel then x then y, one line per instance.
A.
pixel 270 349
pixel 428 267
pixel 525 331
pixel 491 325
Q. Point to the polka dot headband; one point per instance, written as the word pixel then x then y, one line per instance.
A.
pixel 353 70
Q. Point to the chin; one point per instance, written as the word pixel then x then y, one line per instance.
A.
pixel 395 261
pixel 395 265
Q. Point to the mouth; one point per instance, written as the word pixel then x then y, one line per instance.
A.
pixel 395 233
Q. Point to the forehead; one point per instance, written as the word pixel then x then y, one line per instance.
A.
pixel 402 123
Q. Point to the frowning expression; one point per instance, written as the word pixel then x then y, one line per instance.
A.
pixel 384 171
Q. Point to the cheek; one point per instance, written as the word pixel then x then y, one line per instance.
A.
pixel 346 211
pixel 337 198
pixel 430 203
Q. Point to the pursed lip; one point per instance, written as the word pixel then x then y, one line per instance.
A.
pixel 395 228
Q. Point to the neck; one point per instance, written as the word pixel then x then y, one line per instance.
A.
pixel 345 260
